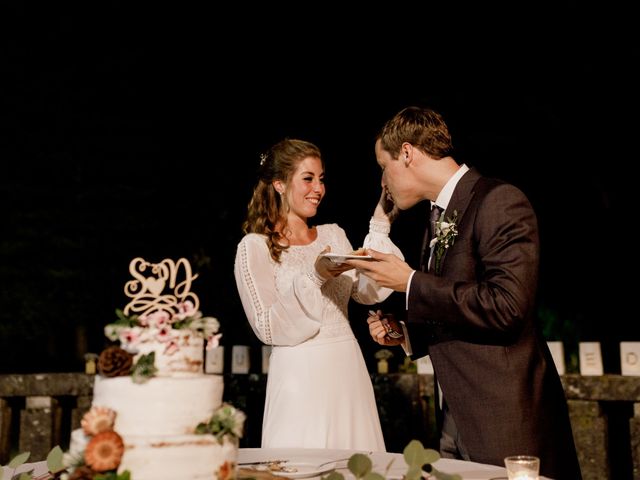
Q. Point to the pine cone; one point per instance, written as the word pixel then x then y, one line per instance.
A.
pixel 115 362
pixel 82 473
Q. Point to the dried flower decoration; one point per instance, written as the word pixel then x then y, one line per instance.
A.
pixel 263 158
pixel 445 237
pixel 104 451
pixel 97 420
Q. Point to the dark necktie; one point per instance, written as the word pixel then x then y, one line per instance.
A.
pixel 436 211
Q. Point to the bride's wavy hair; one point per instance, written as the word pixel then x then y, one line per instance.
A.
pixel 267 210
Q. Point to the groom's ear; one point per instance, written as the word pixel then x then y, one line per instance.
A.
pixel 406 152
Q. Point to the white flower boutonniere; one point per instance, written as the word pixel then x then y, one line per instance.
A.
pixel 445 236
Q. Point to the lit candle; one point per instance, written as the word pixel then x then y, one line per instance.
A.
pixel 525 476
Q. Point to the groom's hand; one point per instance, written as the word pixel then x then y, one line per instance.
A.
pixel 379 326
pixel 386 269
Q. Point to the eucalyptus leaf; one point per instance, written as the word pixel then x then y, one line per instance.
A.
pixel 1 472
pixel 19 459
pixel 54 460
pixel 25 476
pixel 413 473
pixel 331 476
pixel 430 456
pixel 414 453
pixel 359 465
pixel 373 476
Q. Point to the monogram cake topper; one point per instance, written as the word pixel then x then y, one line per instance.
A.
pixel 159 286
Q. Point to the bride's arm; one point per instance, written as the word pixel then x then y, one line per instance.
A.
pixel 277 318
pixel 366 290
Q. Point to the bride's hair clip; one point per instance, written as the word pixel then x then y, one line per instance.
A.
pixel 263 158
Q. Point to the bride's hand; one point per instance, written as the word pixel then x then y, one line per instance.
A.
pixel 327 268
pixel 385 210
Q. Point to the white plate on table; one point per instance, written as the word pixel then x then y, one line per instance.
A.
pixel 300 467
pixel 342 257
pixel 306 469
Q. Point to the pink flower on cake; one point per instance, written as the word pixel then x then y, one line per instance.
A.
pixel 185 309
pixel 171 348
pixel 161 326
pixel 165 334
pixel 130 335
pixel 159 319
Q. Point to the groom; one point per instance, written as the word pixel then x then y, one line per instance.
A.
pixel 471 304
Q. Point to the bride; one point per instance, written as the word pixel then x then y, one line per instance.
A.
pixel 319 393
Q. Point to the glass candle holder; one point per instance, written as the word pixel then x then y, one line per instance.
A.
pixel 90 360
pixel 522 467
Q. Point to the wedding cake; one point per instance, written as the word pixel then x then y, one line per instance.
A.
pixel 155 413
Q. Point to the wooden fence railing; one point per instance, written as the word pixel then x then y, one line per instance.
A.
pixel 39 411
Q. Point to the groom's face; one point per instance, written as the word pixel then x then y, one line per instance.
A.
pixel 395 178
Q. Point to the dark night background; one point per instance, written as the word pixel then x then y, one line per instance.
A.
pixel 130 132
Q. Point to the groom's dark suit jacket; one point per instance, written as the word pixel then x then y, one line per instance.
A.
pixel 476 319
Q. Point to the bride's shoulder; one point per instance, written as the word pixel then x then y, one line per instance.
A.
pixel 253 239
pixel 330 229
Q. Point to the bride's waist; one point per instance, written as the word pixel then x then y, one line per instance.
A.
pixel 335 332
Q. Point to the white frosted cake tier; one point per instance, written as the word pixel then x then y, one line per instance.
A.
pixel 190 457
pixel 174 457
pixel 160 406
pixel 186 359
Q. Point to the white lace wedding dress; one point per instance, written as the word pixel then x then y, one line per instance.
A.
pixel 319 393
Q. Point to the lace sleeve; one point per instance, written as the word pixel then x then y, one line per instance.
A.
pixel 276 319
pixel 364 289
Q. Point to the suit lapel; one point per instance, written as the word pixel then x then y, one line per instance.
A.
pixel 459 202
pixel 424 254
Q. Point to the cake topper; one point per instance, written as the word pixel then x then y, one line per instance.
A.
pixel 160 286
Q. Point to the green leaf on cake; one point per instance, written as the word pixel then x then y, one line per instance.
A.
pixel 126 475
pixel 144 368
pixel 131 321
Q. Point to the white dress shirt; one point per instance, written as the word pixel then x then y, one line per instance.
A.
pixel 444 197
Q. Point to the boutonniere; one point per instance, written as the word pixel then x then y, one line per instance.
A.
pixel 445 236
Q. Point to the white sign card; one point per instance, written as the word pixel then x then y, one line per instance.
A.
pixel 266 355
pixel 425 365
pixel 557 352
pixel 590 358
pixel 240 359
pixel 630 358
pixel 214 360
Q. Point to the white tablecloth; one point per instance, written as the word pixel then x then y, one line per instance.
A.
pixel 467 470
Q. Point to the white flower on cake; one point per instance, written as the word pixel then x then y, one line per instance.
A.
pixel 226 421
pixel 163 327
